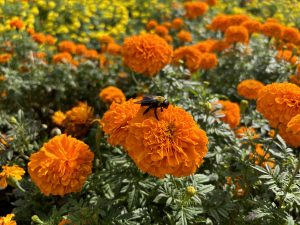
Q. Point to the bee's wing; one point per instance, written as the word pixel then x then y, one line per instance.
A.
pixel 147 99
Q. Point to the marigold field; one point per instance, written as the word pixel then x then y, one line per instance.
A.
pixel 179 112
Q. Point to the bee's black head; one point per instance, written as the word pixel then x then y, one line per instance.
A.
pixel 165 103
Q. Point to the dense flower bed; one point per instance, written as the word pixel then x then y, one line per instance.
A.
pixel 149 112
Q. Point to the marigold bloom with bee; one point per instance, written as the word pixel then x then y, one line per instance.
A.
pixel 112 94
pixel 249 88
pixel 174 144
pixel 115 121
pixel 146 54
pixel 231 112
pixel 61 166
pixel 279 102
pixel 10 172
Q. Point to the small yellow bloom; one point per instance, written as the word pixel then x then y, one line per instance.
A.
pixel 10 172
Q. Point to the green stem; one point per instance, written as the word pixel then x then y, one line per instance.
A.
pixel 290 182
pixel 268 147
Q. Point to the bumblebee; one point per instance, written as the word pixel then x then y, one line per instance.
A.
pixel 154 102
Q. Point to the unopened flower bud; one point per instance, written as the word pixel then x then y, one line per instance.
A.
pixel 243 106
pixel 190 191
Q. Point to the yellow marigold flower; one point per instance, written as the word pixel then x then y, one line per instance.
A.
pixel 235 34
pixel 257 157
pixel 146 54
pixel 253 26
pixel 249 88
pixel 184 36
pixel 249 132
pixel 7 220
pixel 61 166
pixel 190 55
pixel 67 46
pixel 10 172
pixel 161 30
pixel 195 9
pixel 177 23
pixel 231 112
pixel 294 125
pixel 290 34
pixel 58 118
pixel 272 30
pixel 190 190
pixel 174 144
pixel 151 24
pixel 208 61
pixel 112 94
pixel 115 121
pixel 279 102
pixel 5 57
pixel 78 120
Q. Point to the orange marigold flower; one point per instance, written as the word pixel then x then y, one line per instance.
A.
pixel 272 30
pixel 146 54
pixel 16 23
pixel 279 102
pixel 271 133
pixel 7 220
pixel 235 34
pixel 161 30
pixel 115 121
pixel 190 55
pixel 30 31
pixel 114 49
pixel 231 112
pixel 238 191
pixel 10 172
pixel 260 158
pixel 78 120
pixel 271 20
pixel 208 61
pixel 295 79
pixel 290 135
pixel 106 39
pixel 91 54
pixel 195 9
pixel 167 24
pixel 248 132
pixel 151 24
pixel 184 36
pixel 62 57
pixel 294 125
pixel 174 144
pixel 61 166
pixel 220 22
pixel 211 2
pixel 50 40
pixel 253 26
pixel 236 20
pixel 168 38
pixel 112 94
pixel 65 222
pixel 177 23
pixel 290 34
pixel 67 46
pixel 80 49
pixel 5 57
pixel 205 46
pixel 58 118
pixel 287 56
pixel 102 61
pixel 220 46
pixel 39 38
pixel 249 88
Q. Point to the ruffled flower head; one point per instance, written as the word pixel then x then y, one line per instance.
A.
pixel 249 88
pixel 61 166
pixel 174 144
pixel 231 112
pixel 112 94
pixel 236 34
pixel 7 220
pixel 195 9
pixel 190 55
pixel 10 172
pixel 146 54
pixel 294 125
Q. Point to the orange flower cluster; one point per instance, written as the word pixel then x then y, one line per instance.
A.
pixel 115 121
pixel 16 23
pixel 195 9
pixel 177 23
pixel 253 26
pixel 67 46
pixel 7 220
pixel 75 121
pixel 5 57
pixel 287 56
pixel 112 94
pixel 238 190
pixel 61 166
pixel 184 36
pixel 62 58
pixel 248 132
pixel 10 172
pixel 223 22
pixel 271 29
pixel 231 112
pixel 234 34
pixel 146 54
pixel 249 88
pixel 260 157
pixel 174 144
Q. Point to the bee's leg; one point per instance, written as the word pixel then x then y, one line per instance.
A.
pixel 155 113
pixel 147 110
